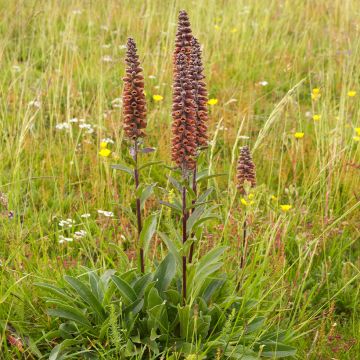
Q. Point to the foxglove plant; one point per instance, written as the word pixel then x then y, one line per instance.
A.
pixel 184 139
pixel 134 111
pixel 246 178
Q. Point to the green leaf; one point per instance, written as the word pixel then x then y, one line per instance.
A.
pixel 86 295
pixel 153 298
pixel 165 272
pixel 147 232
pixel 57 351
pixel 123 168
pixel 150 163
pixel 175 207
pixel 175 183
pixel 141 284
pixel 204 175
pixel 277 350
pixel 146 193
pixel 125 289
pixel 56 291
pixel 135 307
pixel 70 313
pixel 211 287
pixel 254 325
pixel 203 196
pixel 172 245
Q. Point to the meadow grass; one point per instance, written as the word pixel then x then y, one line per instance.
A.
pixel 65 59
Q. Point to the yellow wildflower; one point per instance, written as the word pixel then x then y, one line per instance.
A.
pixel 157 98
pixel 315 94
pixel 251 196
pixel 212 101
pixel 299 135
pixel 357 130
pixel 244 202
pixel 274 198
pixel 351 93
pixel 103 145
pixel 356 138
pixel 285 208
pixel 316 117
pixel 104 152
pixel 233 30
pixel 216 27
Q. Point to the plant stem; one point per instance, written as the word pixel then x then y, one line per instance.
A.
pixel 184 238
pixel 245 243
pixel 194 187
pixel 138 206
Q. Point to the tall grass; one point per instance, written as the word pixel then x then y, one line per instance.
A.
pixel 63 60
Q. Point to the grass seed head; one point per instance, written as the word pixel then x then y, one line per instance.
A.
pixel 245 169
pixel 134 104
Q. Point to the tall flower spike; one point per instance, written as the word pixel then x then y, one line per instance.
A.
pixel 134 105
pixel 183 113
pixel 200 93
pixel 183 37
pixel 245 169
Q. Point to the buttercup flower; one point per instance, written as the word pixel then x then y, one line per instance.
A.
pixel 299 135
pixel 285 208
pixel 315 94
pixel 351 93
pixel 356 138
pixel 357 130
pixel 157 98
pixel 212 101
pixel 104 152
pixel 316 117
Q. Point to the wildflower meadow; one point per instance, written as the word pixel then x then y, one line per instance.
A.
pixel 180 179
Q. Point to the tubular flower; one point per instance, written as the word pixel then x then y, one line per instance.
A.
pixel 183 37
pixel 183 113
pixel 200 93
pixel 134 108
pixel 245 169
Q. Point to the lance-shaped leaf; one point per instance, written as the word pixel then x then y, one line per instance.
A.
pixel 86 295
pixel 123 168
pixel 147 232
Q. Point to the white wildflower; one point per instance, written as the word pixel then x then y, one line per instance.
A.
pixel 63 239
pixel 152 77
pixel 35 103
pixel 108 140
pixel 107 59
pixel 62 126
pixel 263 83
pixel 106 213
pixel 80 234
pixel 122 47
pixel 73 120
pixel 85 216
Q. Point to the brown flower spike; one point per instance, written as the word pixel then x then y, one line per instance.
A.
pixel 183 113
pixel 183 37
pixel 245 169
pixel 200 93
pixel 134 105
